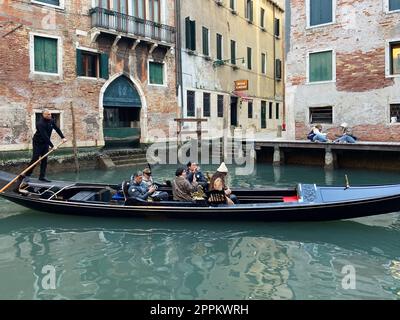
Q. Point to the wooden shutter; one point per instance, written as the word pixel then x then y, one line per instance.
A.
pixel 79 63
pixel 156 73
pixel 278 69
pixel 233 52
pixel 187 33
pixel 277 27
pixel 193 35
pixel 104 72
pixel 45 54
pixel 320 66
pixel 263 114
pixel 205 41
pixel 249 58
pixel 219 47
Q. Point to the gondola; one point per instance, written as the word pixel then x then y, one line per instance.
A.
pixel 303 202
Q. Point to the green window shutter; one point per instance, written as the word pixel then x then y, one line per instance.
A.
pixel 79 63
pixel 45 50
pixel 394 5
pixel 104 72
pixel 249 58
pixel 277 27
pixel 320 12
pixel 278 69
pixel 263 114
pixel 193 35
pixel 156 73
pixel 320 66
pixel 188 33
pixel 233 52
pixel 219 47
pixel 205 41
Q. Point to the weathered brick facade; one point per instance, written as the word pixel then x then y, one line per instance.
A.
pixel 23 92
pixel 362 89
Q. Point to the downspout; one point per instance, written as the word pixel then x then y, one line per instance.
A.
pixel 274 48
pixel 179 66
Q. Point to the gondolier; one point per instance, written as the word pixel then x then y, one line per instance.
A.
pixel 42 143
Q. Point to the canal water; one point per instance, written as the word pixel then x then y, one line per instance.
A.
pixel 46 256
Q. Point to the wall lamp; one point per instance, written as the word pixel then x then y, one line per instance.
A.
pixel 218 63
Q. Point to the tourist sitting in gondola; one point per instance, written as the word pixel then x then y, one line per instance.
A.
pixel 194 170
pixel 139 190
pixel 147 178
pixel 221 174
pixel 182 189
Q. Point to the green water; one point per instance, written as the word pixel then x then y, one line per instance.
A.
pixel 100 258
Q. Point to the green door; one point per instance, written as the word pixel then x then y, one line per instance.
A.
pixel 122 108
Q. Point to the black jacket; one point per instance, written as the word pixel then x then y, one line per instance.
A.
pixel 44 129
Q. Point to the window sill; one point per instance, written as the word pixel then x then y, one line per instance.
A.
pixel 392 11
pixel 60 7
pixel 321 82
pixel 249 21
pixel 263 29
pixel 44 75
pixel 157 85
pixel 234 12
pixel 234 67
pixel 191 52
pixel 392 76
pixel 320 25
pixel 91 78
pixel 208 58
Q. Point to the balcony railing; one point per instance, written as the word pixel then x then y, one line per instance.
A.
pixel 115 21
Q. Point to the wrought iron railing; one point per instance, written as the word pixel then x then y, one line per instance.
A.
pixel 112 20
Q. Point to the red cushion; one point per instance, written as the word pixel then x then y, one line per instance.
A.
pixel 290 199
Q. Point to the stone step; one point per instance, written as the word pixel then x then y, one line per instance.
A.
pixel 130 156
pixel 138 165
pixel 129 161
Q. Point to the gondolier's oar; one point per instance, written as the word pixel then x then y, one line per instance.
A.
pixel 30 167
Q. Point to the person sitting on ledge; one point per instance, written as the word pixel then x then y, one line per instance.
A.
pixel 346 134
pixel 316 134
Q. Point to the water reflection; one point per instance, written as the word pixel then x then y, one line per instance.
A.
pixel 167 259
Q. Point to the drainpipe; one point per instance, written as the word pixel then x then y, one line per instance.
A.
pixel 178 43
pixel 273 19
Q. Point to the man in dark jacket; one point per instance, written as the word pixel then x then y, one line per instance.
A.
pixel 41 142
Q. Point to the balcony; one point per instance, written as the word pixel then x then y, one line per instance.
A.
pixel 132 27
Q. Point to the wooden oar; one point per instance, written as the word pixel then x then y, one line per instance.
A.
pixel 30 167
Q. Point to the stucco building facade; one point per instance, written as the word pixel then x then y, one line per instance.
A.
pixel 343 65
pixel 232 64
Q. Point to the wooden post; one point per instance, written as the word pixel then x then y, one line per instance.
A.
pixel 74 140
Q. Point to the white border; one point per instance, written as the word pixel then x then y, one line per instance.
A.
pixel 61 6
pixel 32 54
pixel 164 75
pixel 386 8
pixel 333 66
pixel 387 58
pixel 308 26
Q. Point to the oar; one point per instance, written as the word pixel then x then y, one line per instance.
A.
pixel 30 167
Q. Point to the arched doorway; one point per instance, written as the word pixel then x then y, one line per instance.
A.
pixel 122 106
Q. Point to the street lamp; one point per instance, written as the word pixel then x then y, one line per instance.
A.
pixel 218 63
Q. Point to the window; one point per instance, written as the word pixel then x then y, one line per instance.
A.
pixel 394 58
pixel 206 104
pixel 91 64
pixel 320 12
pixel 277 28
pixel 120 6
pixel 395 113
pixel 219 46
pixel 263 63
pixel 263 114
pixel 321 115
pixel 220 106
pixel 102 4
pixel 190 34
pixel 262 17
pixel 54 114
pixel 233 52
pixel 249 58
pixel 190 104
pixel 250 109
pixel 249 10
pixel 139 9
pixel 232 5
pixel 205 42
pixel 45 55
pixel 394 5
pixel 154 10
pixel 277 111
pixel 55 3
pixel 320 66
pixel 278 69
pixel 156 73
pixel 270 111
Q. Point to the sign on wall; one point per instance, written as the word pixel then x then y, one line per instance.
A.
pixel 241 85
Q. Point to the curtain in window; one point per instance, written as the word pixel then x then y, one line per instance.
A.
pixel 396 59
pixel 45 54
pixel 321 66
